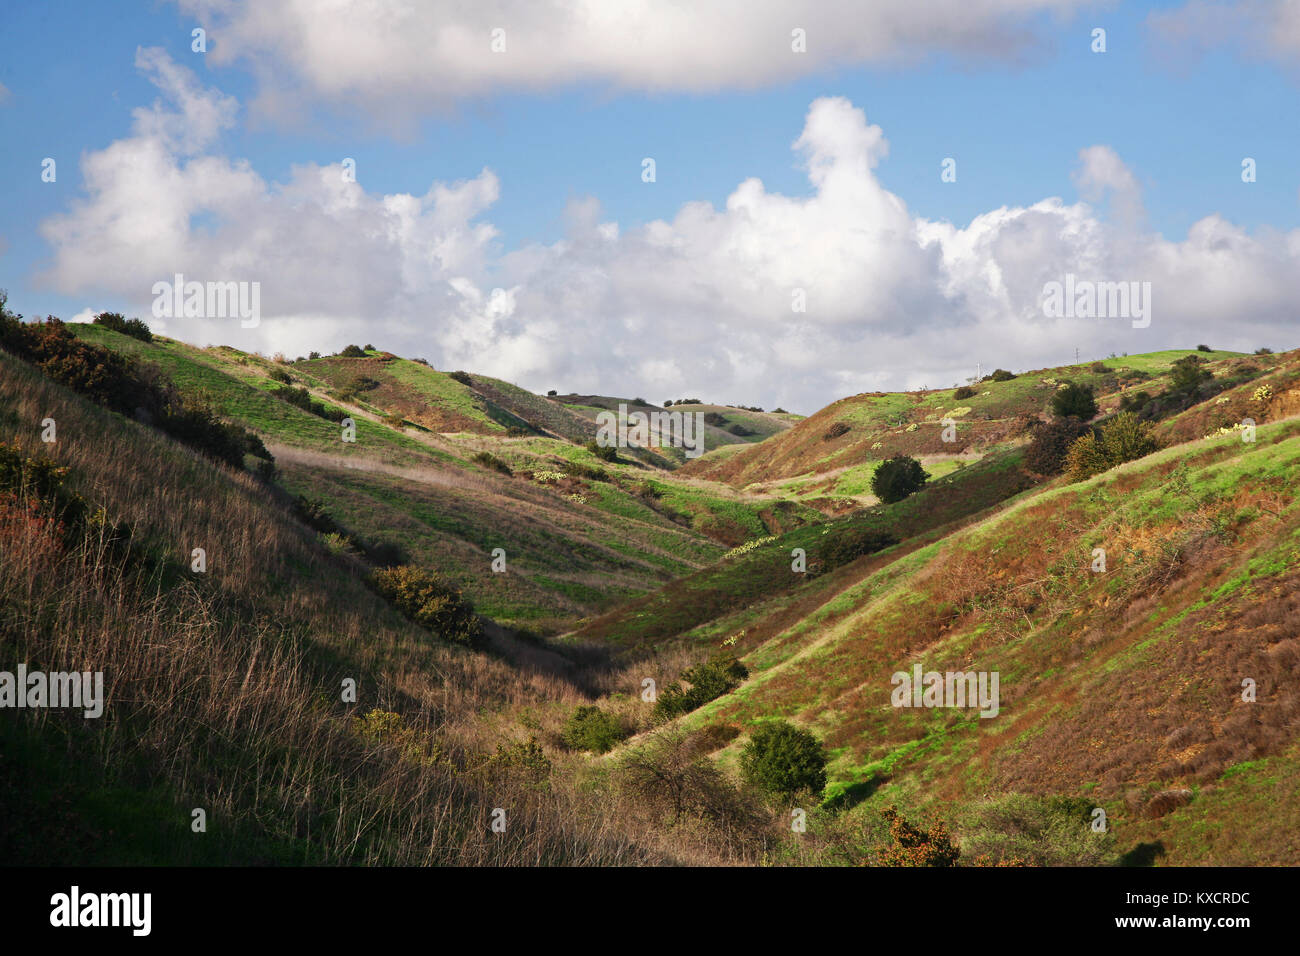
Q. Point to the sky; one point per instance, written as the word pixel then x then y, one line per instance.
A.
pixel 468 183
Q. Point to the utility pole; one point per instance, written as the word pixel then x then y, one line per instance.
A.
pixel 977 372
pixel 1076 355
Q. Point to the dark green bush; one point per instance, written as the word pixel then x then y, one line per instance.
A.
pixel 835 431
pixel 964 392
pixel 707 681
pixel 783 760
pixel 1187 374
pixel 590 728
pixel 1074 401
pixel 603 452
pixel 1002 375
pixel 896 478
pixel 489 460
pixel 135 328
pixel 353 351
pixel 462 377
pixel 1046 451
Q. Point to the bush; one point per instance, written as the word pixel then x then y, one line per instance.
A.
pixel 1204 348
pixel 708 681
pixel 603 452
pixel 120 384
pixel 1038 831
pixel 1134 401
pixel 1187 375
pixel 1074 401
pixel 353 351
pixel 313 355
pixel 552 393
pixel 280 375
pixel 1098 368
pixel 301 398
pixel 671 773
pixel 964 392
pixel 462 377
pixel 783 760
pixel 489 460
pixel 1046 451
pixel 841 548
pixel 896 478
pixel 1264 351
pixel 912 846
pixel 1123 438
pixel 431 602
pixel 135 328
pixel 835 431
pixel 590 728
pixel 1001 375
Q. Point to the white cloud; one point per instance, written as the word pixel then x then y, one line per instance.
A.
pixel 1268 28
pixel 700 304
pixel 395 58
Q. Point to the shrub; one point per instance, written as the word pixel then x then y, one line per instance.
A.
pixel 1134 401
pixel 1187 375
pixel 1046 451
pixel 783 760
pixel 779 411
pixel 841 548
pixel 489 460
pixel 1264 351
pixel 590 728
pixel 1074 401
pixel 1001 375
pixel 280 375
pixel 1098 368
pixel 353 351
pixel 896 478
pixel 552 393
pixel 313 355
pixel 1038 831
pixel 964 392
pixel 368 347
pixel 431 602
pixel 1123 438
pixel 603 452
pixel 135 328
pixel 120 384
pixel 671 773
pixel 708 681
pixel 1204 348
pixel 912 846
pixel 462 377
pixel 301 398
pixel 835 431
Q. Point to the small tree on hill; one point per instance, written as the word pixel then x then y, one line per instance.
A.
pixel 1074 401
pixel 898 477
pixel 783 760
pixel 1187 374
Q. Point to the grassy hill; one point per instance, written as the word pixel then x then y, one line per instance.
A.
pixel 1154 686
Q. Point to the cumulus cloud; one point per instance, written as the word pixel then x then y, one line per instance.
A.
pixel 706 303
pixel 393 58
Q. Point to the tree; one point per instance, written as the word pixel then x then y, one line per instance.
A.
pixel 590 728
pixel 1074 401
pixel 353 351
pixel 898 477
pixel 784 760
pixel 1124 438
pixel 1051 443
pixel 1001 375
pixel 1187 374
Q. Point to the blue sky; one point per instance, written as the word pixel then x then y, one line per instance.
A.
pixel 1179 120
